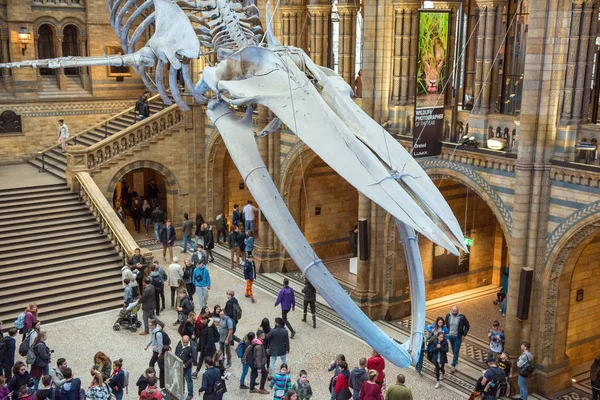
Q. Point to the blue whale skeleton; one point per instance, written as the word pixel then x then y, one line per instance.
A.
pixel 314 102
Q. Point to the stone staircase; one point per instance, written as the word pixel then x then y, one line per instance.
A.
pixel 53 253
pixel 54 160
pixel 50 89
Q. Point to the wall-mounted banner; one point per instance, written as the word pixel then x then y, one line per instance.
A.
pixel 432 73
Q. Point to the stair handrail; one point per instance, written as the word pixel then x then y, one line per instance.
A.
pixel 104 122
pixel 108 219
pixel 123 141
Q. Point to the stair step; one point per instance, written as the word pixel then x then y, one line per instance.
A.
pixel 56 312
pixel 47 225
pixel 75 268
pixel 57 240
pixel 40 213
pixel 19 209
pixel 49 168
pixel 54 251
pixel 18 202
pixel 64 232
pixel 67 259
pixel 36 190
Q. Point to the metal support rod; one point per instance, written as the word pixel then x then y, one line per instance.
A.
pixel 43 169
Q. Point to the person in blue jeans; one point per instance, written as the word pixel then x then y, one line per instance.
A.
pixel 241 349
pixel 186 352
pixel 458 328
pixel 524 359
pixel 335 367
pixel 117 379
pixel 419 364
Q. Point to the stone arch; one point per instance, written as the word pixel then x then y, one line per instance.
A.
pixel 215 154
pixel 438 169
pixel 79 25
pixel 52 22
pixel 172 185
pixel 565 245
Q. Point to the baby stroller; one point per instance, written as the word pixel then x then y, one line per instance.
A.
pixel 128 318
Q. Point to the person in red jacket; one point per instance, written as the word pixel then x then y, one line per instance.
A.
pixel 342 391
pixel 377 363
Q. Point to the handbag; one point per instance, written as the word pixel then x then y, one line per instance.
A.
pixel 281 392
pixel 526 370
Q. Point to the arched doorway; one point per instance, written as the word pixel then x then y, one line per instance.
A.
pixel 70 46
pixel 45 47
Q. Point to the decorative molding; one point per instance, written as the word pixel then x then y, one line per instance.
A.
pixel 474 181
pixel 67 108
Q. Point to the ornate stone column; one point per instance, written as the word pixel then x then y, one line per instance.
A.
pixel 319 33
pixel 294 20
pixel 580 61
pixel 61 79
pixel 347 44
pixel 546 53
pixel 486 53
pixel 84 72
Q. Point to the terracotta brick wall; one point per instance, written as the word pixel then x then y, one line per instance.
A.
pixel 583 338
pixel 338 200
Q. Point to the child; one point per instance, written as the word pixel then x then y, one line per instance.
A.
pixel 151 392
pixel 47 390
pixel 282 383
pixel 24 393
pixel 143 380
pixel 496 338
pixel 4 391
pixel 249 275
pixel 302 387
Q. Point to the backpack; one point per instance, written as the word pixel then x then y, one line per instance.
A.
pixel 20 321
pixel 527 369
pixel 248 357
pixel 237 311
pixel 166 338
pixel 31 357
pixel 157 281
pixel 219 387
pixel 24 346
pixel 498 387
pixel 126 381
pixel 240 349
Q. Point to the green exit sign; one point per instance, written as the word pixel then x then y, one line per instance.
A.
pixel 469 241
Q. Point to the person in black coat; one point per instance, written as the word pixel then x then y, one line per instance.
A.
pixel 208 336
pixel 167 238
pixel 279 344
pixel 8 360
pixel 439 356
pixel 185 352
pixel 353 237
pixel 310 297
pixel 20 378
pixel 209 243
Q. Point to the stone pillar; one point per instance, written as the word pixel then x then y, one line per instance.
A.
pixel 294 25
pixel 546 53
pixel 361 292
pixel 347 44
pixel 319 33
pixel 84 72
pixel 61 79
pixel 580 61
pixel 196 148
pixel 6 73
pixel 267 248
pixel 486 53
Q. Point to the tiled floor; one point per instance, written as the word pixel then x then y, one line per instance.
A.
pixel 312 350
pixel 24 175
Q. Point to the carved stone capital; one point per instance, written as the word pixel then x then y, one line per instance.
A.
pixel 484 4
pixel 590 3
pixel 577 3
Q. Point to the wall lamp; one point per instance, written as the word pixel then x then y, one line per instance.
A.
pixel 24 38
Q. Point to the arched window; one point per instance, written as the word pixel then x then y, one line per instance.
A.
pixel 70 47
pixel 46 47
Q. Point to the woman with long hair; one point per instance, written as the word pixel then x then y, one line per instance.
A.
pixel 291 395
pixel 439 351
pixel 42 359
pixel 265 326
pixel 102 364
pixel 146 214
pixel 370 390
pixel 31 315
pixel 207 339
pixel 438 326
pixel 595 378
pixel 218 362
pixel 19 379
pixel 188 273
pixel 97 390
pixel 188 328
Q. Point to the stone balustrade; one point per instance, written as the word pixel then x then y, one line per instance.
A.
pixel 121 143
pixel 108 221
